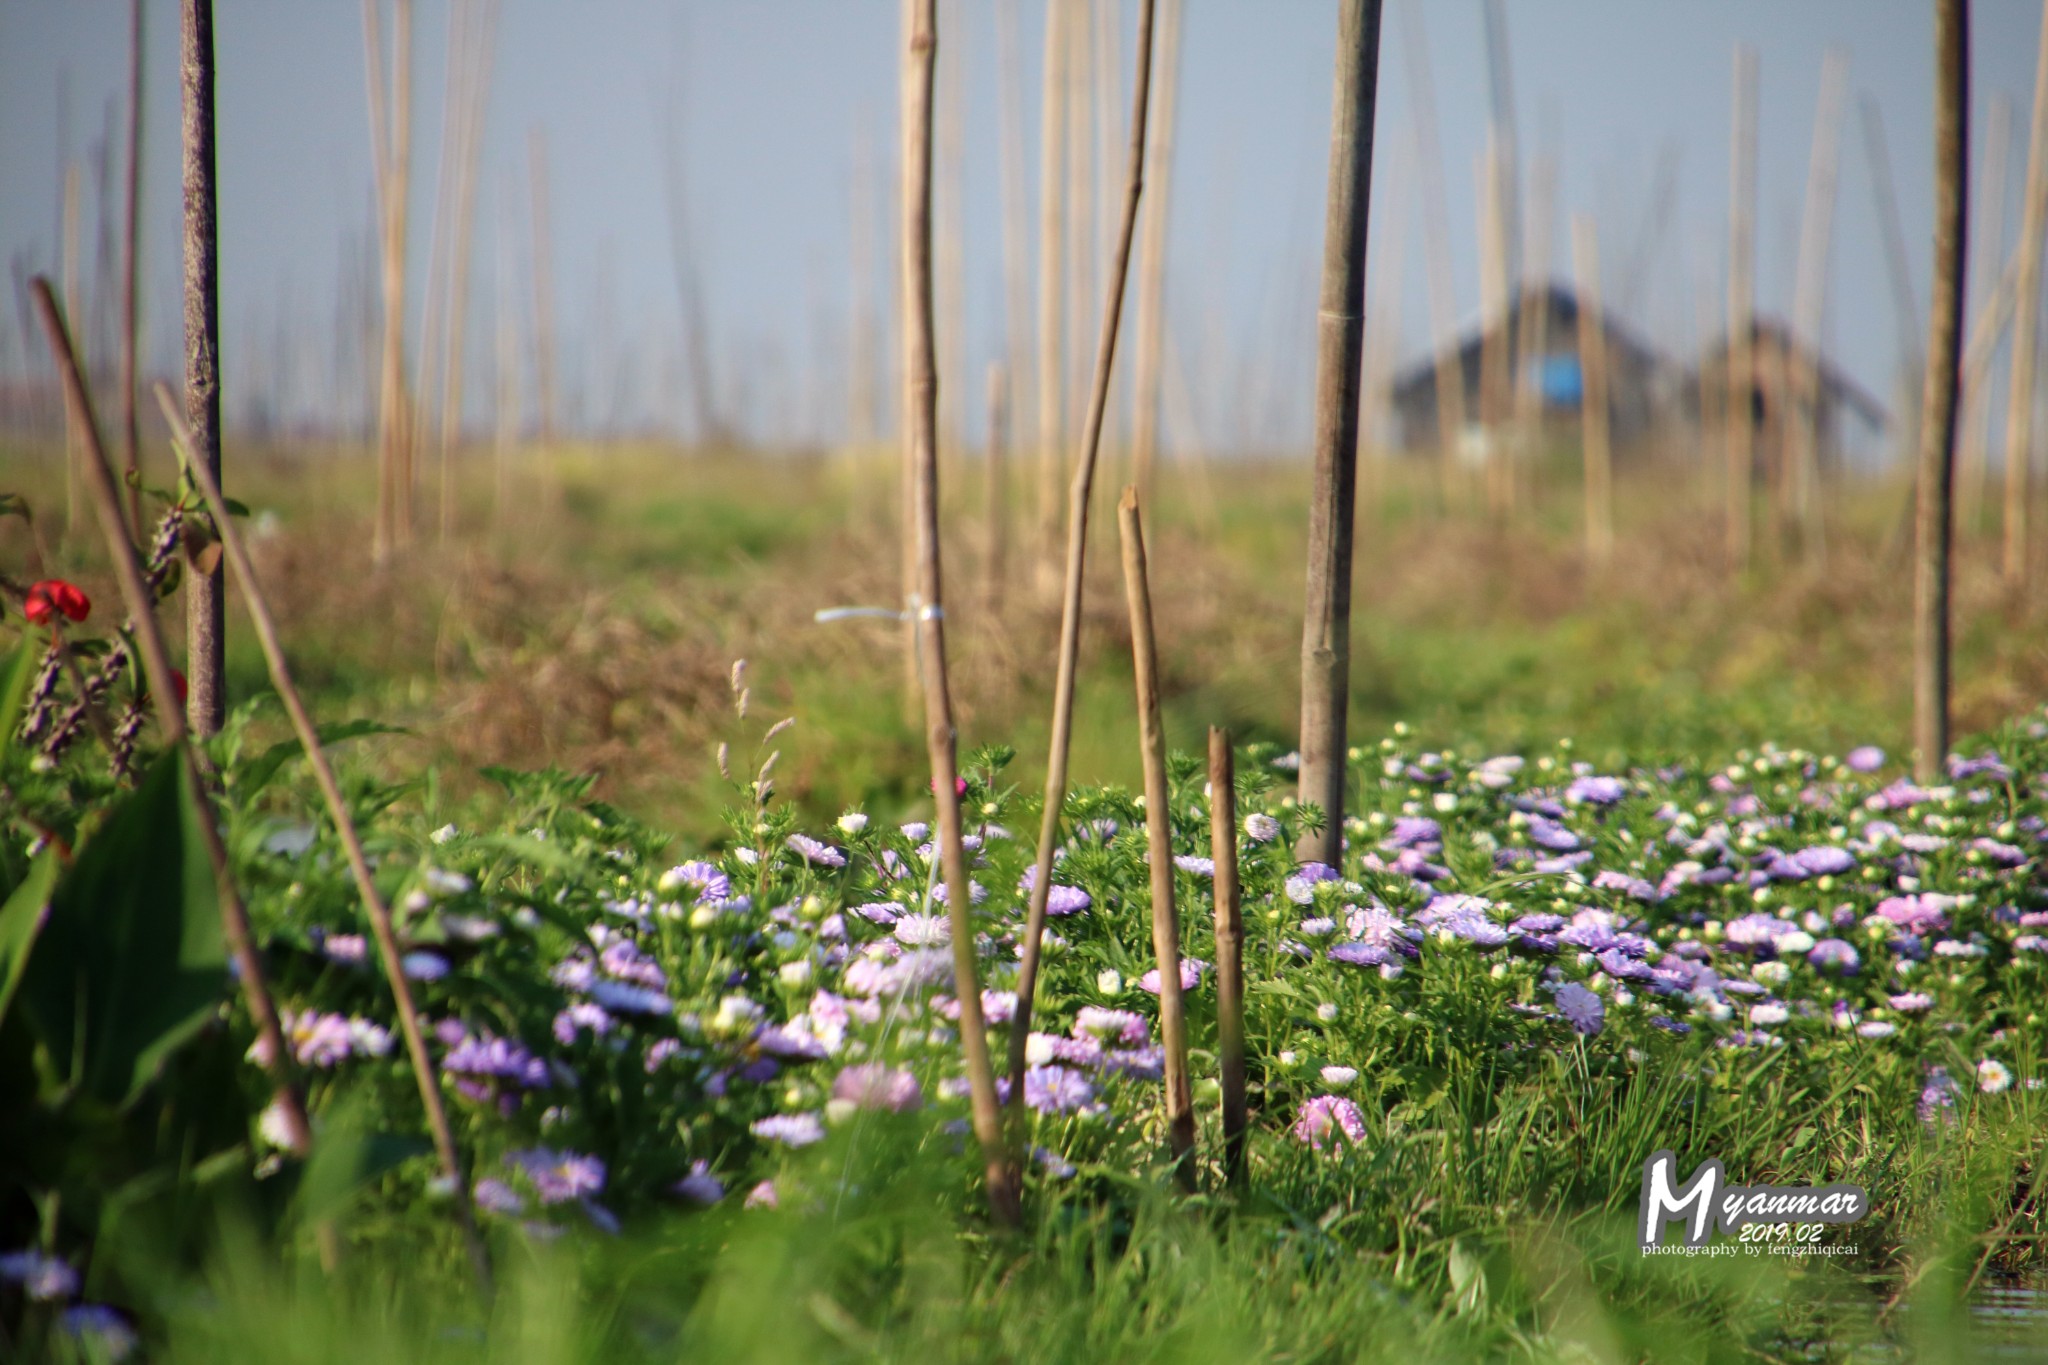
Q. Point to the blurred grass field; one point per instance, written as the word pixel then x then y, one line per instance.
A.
pixel 589 618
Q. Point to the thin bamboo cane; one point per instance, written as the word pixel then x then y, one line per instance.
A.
pixel 1229 949
pixel 920 400
pixel 1935 516
pixel 1985 255
pixel 507 434
pixel 1800 483
pixel 1340 327
pixel 1077 561
pixel 1083 251
pixel 1532 338
pixel 423 421
pixel 391 135
pixel 1494 394
pixel 1599 459
pixel 1016 211
pixel 1383 328
pixel 543 286
pixel 1904 307
pixel 425 1074
pixel 206 702
pixel 2021 391
pixel 74 306
pixel 475 97
pixel 995 488
pixel 156 665
pixel 131 268
pixel 1173 1035
pixel 1741 405
pixel 1436 234
pixel 1052 293
pixel 1145 356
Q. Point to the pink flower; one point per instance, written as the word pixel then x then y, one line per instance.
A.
pixel 1325 1113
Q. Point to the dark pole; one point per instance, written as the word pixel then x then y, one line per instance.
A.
pixel 131 261
pixel 205 594
pixel 1935 520
pixel 1340 325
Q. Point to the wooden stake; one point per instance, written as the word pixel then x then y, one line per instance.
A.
pixel 995 487
pixel 1985 255
pixel 1340 332
pixel 1016 213
pixel 74 306
pixel 131 268
pixel 1935 519
pixel 1436 233
pixel 425 1073
pixel 1180 1110
pixel 1077 559
pixel 156 665
pixel 205 597
pixel 1229 949
pixel 391 136
pixel 1052 437
pixel 921 427
pixel 2026 323
pixel 1146 355
pixel 1494 322
pixel 1741 405
pixel 543 286
pixel 1593 362
pixel 1800 477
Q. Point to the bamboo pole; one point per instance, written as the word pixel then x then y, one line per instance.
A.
pixel 1052 293
pixel 156 665
pixel 1985 255
pixel 423 426
pixel 995 487
pixel 1180 1111
pixel 1494 324
pixel 1799 488
pixel 1741 353
pixel 1904 307
pixel 949 234
pixel 507 433
pixel 476 87
pixel 1532 339
pixel 74 306
pixel 1016 211
pixel 391 136
pixel 543 286
pixel 920 399
pixel 1436 235
pixel 1599 459
pixel 1340 329
pixel 1076 565
pixel 131 269
pixel 1229 949
pixel 205 597
pixel 1145 356
pixel 2026 324
pixel 425 1073
pixel 1083 251
pixel 1383 331
pixel 1935 518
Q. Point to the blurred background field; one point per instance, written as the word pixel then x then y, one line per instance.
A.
pixel 594 625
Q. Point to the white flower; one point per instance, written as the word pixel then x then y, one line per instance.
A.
pixel 797 973
pixel 1772 973
pixel 853 822
pixel 1768 1014
pixel 1339 1075
pixel 1109 981
pixel 1327 1012
pixel 1261 828
pixel 445 833
pixel 1992 1076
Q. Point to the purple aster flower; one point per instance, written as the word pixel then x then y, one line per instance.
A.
pixel 1326 1118
pixel 622 960
pixel 791 1130
pixel 1261 828
pixel 495 1196
pixel 578 1019
pixel 702 878
pixel 789 1041
pixel 1596 791
pixel 1912 1002
pixel 559 1177
pixel 1919 914
pixel 1836 955
pixel 1551 835
pixel 1410 830
pixel 1999 855
pixel 872 1085
pixel 815 852
pixel 1937 1096
pixel 424 966
pixel 102 1330
pixel 496 1058
pixel 921 931
pixel 1300 886
pixel 1670 1025
pixel 1191 969
pixel 1581 1008
pixel 763 1196
pixel 1825 860
pixel 700 1186
pixel 40 1277
pixel 348 949
pixel 1056 1089
pixel 1194 866
pixel 625 999
pixel 1541 922
pixel 661 1050
pixel 1361 954
pixel 1111 1026
pixel 1867 758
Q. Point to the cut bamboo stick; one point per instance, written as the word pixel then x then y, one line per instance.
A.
pixel 1340 334
pixel 1149 342
pixel 1800 478
pixel 1078 497
pixel 156 665
pixel 920 400
pixel 425 1073
pixel 1494 321
pixel 1934 519
pixel 1229 950
pixel 543 287
pixel 1985 255
pixel 1016 212
pixel 995 481
pixel 131 269
pixel 1532 338
pixel 206 703
pixel 1741 405
pixel 2021 391
pixel 391 136
pixel 74 306
pixel 1052 294
pixel 1180 1109
pixel 1599 459
pixel 1443 304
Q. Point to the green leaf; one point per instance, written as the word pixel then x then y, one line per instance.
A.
pixel 235 508
pixel 346 1159
pixel 130 962
pixel 254 775
pixel 14 692
pixel 20 921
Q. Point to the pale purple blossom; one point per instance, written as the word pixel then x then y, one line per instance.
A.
pixel 1326 1118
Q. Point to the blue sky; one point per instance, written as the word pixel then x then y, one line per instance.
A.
pixel 774 96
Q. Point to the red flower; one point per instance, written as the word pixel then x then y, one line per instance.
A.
pixel 53 597
pixel 959 785
pixel 180 686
